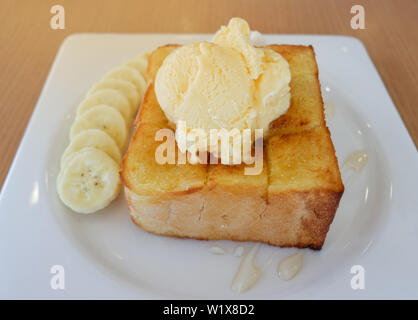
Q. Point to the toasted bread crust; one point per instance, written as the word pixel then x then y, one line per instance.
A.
pixel 290 204
pixel 287 220
pixel 156 59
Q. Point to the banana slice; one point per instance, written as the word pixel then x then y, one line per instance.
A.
pixel 140 63
pixel 89 182
pixel 127 88
pixel 91 138
pixel 111 97
pixel 103 118
pixel 129 74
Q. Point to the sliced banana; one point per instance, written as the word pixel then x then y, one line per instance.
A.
pixel 92 138
pixel 140 63
pixel 111 97
pixel 127 88
pixel 129 74
pixel 103 118
pixel 89 177
pixel 89 182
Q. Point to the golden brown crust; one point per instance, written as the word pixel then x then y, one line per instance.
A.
pixel 143 175
pixel 303 161
pixel 287 220
pixel 323 205
pixel 301 59
pixel 290 204
pixel 156 59
pixel 306 107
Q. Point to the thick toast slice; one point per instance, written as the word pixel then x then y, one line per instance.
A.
pixel 145 176
pixel 291 203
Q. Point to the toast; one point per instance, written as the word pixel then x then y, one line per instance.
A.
pixel 290 204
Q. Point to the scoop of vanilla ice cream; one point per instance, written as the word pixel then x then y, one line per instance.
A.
pixel 207 86
pixel 227 83
pixel 237 36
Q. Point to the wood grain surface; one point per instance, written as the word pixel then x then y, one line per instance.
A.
pixel 28 45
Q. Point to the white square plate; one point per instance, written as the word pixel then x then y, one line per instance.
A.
pixel 106 256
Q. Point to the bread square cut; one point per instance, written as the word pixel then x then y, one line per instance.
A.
pixel 291 203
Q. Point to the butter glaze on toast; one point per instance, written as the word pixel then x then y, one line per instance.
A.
pixel 290 204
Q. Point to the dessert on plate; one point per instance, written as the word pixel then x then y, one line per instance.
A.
pixel 267 100
pixel 229 83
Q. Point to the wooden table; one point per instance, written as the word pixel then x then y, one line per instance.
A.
pixel 28 45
